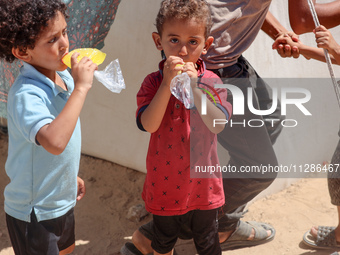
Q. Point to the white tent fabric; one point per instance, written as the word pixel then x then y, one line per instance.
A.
pixel 108 119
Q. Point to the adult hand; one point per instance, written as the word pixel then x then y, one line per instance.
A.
pixel 285 50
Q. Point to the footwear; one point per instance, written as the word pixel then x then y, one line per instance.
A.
pixel 238 238
pixel 130 249
pixel 325 238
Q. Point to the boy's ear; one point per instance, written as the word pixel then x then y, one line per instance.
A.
pixel 21 54
pixel 208 43
pixel 157 40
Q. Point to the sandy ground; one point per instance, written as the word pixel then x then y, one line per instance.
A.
pixel 102 226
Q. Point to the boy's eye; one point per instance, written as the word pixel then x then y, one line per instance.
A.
pixel 193 42
pixel 53 40
pixel 174 40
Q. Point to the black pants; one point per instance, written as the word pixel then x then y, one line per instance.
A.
pixel 41 238
pixel 202 225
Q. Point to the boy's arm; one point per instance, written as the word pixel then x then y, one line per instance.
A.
pixel 55 136
pixel 213 112
pixel 152 116
pixel 272 27
pixel 301 19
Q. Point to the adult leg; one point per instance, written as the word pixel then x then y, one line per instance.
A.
pixel 247 145
pixel 142 237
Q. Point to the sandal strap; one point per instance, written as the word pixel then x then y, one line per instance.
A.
pixel 244 230
pixel 326 236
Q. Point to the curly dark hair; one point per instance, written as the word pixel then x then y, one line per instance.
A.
pixel 21 22
pixel 182 10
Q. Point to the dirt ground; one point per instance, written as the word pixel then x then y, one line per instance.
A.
pixel 102 226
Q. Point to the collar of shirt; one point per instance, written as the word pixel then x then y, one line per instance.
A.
pixel 29 71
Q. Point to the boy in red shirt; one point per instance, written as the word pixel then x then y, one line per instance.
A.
pixel 182 139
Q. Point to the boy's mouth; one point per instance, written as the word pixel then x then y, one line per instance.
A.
pixel 62 57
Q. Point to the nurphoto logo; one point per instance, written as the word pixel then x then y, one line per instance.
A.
pixel 239 105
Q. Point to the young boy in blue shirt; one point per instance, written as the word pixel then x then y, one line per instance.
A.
pixel 44 104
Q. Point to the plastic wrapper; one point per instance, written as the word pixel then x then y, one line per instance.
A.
pixel 111 77
pixel 181 89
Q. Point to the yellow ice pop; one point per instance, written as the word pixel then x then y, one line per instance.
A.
pixel 95 55
pixel 179 72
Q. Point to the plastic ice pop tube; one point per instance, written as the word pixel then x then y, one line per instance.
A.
pixel 111 77
pixel 181 89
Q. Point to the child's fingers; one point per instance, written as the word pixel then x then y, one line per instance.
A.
pixel 293 36
pixel 278 42
pixel 320 28
pixel 189 66
pixel 74 58
pixel 288 51
pixel 94 66
pixel 190 69
pixel 87 62
pixel 174 63
pixel 280 50
pixel 321 34
pixel 322 42
pixel 295 52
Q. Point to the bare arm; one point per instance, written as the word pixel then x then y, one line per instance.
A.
pixel 301 19
pixel 212 114
pixel 153 115
pixel 55 136
pixel 212 111
pixel 317 54
pixel 272 27
pixel 310 52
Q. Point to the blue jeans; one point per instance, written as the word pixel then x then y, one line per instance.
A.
pixel 247 146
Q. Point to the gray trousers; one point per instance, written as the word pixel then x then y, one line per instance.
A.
pixel 247 145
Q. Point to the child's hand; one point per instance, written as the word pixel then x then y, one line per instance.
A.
pixel 287 44
pixel 82 72
pixel 190 69
pixel 81 188
pixel 324 38
pixel 172 66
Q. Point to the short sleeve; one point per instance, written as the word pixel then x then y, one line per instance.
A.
pixel 29 112
pixel 145 94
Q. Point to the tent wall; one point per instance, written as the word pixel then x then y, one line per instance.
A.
pixel 108 119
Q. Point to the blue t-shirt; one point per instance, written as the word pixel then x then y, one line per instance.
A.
pixel 39 180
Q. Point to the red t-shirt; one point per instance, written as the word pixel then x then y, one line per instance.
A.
pixel 181 143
